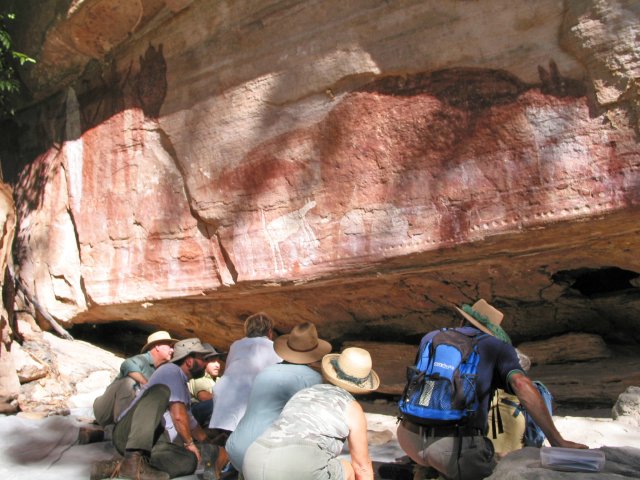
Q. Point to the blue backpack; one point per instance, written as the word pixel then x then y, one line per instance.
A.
pixel 441 387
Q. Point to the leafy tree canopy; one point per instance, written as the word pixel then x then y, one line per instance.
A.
pixel 9 61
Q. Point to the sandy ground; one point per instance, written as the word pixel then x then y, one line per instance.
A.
pixel 48 449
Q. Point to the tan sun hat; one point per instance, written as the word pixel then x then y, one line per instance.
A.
pixel 156 338
pixel 351 370
pixel 486 318
pixel 213 353
pixel 185 347
pixel 302 345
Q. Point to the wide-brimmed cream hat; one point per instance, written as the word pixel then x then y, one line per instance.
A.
pixel 156 338
pixel 486 318
pixel 302 345
pixel 351 370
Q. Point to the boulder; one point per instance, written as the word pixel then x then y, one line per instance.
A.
pixel 627 407
pixel 77 373
pixel 28 367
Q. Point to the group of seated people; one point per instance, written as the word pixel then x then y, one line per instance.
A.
pixel 282 409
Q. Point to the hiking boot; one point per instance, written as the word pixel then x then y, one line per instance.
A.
pixel 136 467
pixel 104 469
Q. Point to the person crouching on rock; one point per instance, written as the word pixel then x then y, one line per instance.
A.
pixel 463 452
pixel 305 441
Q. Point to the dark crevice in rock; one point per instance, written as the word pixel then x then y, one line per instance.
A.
pixel 120 338
pixel 596 282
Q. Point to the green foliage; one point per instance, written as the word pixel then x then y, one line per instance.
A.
pixel 9 60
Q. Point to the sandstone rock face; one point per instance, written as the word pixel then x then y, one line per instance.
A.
pixel 572 347
pixel 362 165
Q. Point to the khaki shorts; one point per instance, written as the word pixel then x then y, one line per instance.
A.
pixel 299 461
pixel 455 457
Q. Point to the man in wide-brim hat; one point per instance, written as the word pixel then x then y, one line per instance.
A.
pixel 164 402
pixel 134 372
pixel 463 451
pixel 201 388
pixel 301 351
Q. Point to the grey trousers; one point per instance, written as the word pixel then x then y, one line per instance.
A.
pixel 455 457
pixel 141 429
pixel 116 398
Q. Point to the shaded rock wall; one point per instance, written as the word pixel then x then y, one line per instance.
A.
pixel 363 165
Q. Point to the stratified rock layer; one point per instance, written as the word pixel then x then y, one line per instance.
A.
pixel 362 165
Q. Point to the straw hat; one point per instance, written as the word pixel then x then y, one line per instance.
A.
pixel 185 347
pixel 351 370
pixel 486 318
pixel 302 345
pixel 156 338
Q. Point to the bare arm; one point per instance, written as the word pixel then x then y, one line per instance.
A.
pixel 138 377
pixel 534 404
pixel 358 445
pixel 204 395
pixel 180 417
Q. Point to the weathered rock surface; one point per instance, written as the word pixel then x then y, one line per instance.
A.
pixel 28 367
pixel 572 347
pixel 76 374
pixel 627 407
pixel 362 165
pixel 620 462
pixel 592 384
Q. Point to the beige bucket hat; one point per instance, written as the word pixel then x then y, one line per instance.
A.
pixel 351 370
pixel 157 337
pixel 185 347
pixel 302 345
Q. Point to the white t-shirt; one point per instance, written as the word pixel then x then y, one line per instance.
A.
pixel 246 358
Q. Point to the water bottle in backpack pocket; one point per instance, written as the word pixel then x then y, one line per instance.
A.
pixel 441 386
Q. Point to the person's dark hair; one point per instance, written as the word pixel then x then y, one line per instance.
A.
pixel 258 325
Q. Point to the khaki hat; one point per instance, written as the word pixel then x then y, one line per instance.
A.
pixel 486 318
pixel 156 338
pixel 183 348
pixel 351 370
pixel 302 345
pixel 213 353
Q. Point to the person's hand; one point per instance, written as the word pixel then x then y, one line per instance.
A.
pixel 569 444
pixel 194 449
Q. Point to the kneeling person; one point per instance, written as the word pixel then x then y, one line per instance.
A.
pixel 465 452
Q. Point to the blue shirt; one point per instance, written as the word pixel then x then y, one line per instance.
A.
pixel 272 389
